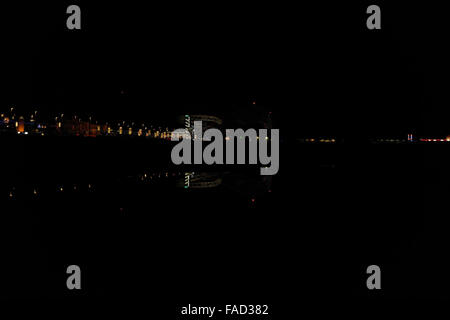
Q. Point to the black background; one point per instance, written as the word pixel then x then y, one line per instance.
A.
pixel 319 71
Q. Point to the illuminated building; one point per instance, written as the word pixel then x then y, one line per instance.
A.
pixel 20 125
pixel 410 137
pixel 207 121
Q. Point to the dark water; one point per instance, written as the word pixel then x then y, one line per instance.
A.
pixel 119 211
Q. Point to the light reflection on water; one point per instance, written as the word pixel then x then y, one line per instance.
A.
pixel 162 179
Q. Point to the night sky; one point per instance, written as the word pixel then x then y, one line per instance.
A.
pixel 118 206
pixel 316 67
